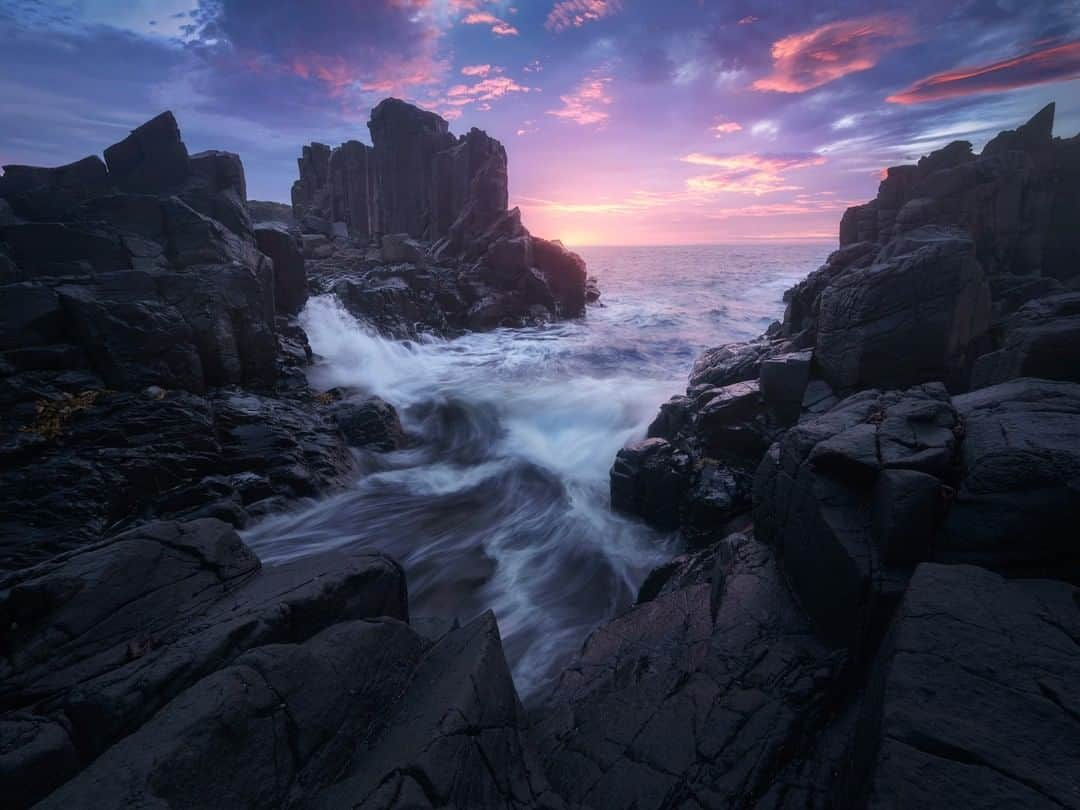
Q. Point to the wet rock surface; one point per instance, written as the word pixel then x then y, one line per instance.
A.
pixel 894 622
pixel 431 245
pixel 973 695
pixel 704 696
pixel 166 666
pixel 150 364
pixel 918 406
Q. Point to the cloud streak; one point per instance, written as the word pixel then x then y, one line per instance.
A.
pixel 1049 64
pixel 723 128
pixel 829 52
pixel 749 173
pixel 586 104
pixel 576 13
pixel 484 90
pixel 499 27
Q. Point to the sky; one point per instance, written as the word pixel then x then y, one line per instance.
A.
pixel 625 121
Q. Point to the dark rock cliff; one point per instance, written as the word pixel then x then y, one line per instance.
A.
pixel 906 436
pixel 449 255
pixel 415 179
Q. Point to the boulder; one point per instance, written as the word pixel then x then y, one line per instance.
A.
pixel 915 315
pixel 730 363
pixel 783 380
pixel 1041 340
pixel 372 423
pixel 290 276
pixel 313 224
pixel 564 272
pixel 650 479
pixel 971 700
pixel 1016 501
pixel 398 248
pixel 217 188
pixel 819 499
pixel 730 421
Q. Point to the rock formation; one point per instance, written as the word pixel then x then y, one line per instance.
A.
pixel 451 256
pixel 149 363
pixel 906 436
pixel 153 398
pixel 416 178
pixel 893 624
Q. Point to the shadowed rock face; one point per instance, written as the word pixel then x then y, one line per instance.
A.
pixel 166 666
pixel 452 256
pixel 919 407
pixel 416 178
pixel 1014 200
pixel 132 291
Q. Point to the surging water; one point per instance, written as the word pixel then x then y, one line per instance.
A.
pixel 503 502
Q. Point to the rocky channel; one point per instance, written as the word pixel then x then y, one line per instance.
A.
pixel 877 602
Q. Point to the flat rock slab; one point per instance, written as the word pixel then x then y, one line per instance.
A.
pixel 689 699
pixel 975 702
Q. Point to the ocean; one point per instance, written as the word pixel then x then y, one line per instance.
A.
pixel 503 502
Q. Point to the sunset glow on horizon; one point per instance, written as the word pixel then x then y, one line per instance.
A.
pixel 625 121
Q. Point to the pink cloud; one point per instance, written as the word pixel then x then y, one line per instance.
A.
pixel 499 27
pixel 824 54
pixel 585 106
pixel 487 89
pixel 476 70
pixel 381 46
pixel 750 173
pixel 1049 64
pixel 726 128
pixel 575 13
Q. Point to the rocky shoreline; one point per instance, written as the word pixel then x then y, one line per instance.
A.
pixel 878 606
pixel 897 619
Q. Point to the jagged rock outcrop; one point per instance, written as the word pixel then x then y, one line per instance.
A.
pixel 1016 200
pixel 910 299
pixel 416 178
pixel 708 695
pixel 166 666
pixel 150 365
pixel 922 416
pixel 453 256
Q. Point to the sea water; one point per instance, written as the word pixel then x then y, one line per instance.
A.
pixel 502 501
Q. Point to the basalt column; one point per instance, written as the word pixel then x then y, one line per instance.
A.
pixel 406 140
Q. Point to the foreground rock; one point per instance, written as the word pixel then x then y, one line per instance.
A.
pixel 923 289
pixel 973 698
pixel 706 696
pixel 165 667
pixel 150 362
pixel 448 254
pixel 913 432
